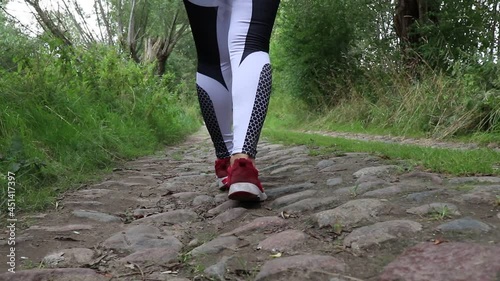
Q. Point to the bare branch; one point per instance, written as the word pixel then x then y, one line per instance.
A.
pixel 17 21
pixel 121 29
pixel 47 23
pixel 99 21
pixel 89 32
pixel 83 35
pixel 105 19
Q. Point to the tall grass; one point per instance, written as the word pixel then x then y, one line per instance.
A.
pixel 67 119
pixel 435 105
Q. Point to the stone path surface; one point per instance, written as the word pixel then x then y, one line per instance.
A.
pixel 338 217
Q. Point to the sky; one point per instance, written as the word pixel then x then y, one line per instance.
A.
pixel 23 12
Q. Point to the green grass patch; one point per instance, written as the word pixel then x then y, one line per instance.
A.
pixel 465 187
pixel 68 122
pixel 441 214
pixel 455 162
pixel 358 115
pixel 463 107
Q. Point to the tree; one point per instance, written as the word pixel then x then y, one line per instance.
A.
pixel 311 40
pixel 14 46
pixel 409 15
pixel 409 12
pixel 153 29
pixel 442 33
pixel 49 24
pixel 147 30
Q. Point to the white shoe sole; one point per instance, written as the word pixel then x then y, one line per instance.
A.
pixel 244 191
pixel 220 184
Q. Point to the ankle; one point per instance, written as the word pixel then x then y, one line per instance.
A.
pixel 236 156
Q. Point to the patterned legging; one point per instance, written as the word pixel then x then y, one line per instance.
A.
pixel 234 72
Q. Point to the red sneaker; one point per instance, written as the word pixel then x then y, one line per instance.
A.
pixel 221 166
pixel 244 182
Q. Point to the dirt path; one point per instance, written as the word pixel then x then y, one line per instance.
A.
pixel 406 140
pixel 335 217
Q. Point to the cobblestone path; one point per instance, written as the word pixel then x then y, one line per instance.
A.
pixel 337 217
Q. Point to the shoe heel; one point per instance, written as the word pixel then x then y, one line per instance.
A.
pixel 244 191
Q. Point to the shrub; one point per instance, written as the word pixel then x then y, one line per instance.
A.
pixel 64 119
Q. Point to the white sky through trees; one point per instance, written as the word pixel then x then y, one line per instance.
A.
pixel 24 14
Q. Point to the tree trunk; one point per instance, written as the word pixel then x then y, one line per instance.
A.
pixel 131 36
pixel 161 65
pixel 494 27
pixel 409 12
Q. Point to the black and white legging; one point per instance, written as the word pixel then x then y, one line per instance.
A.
pixel 234 72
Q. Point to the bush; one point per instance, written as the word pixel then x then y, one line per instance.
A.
pixel 311 41
pixel 62 120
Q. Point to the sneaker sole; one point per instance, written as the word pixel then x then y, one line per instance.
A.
pixel 244 191
pixel 221 184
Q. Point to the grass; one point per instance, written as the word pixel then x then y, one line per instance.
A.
pixel 29 264
pixel 450 161
pixel 360 116
pixel 354 190
pixel 337 228
pixel 441 214
pixel 288 112
pixel 465 187
pixel 177 156
pixel 63 125
pixel 185 258
pixel 247 271
pixel 455 108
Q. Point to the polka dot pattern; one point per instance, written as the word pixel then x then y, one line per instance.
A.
pixel 208 112
pixel 259 111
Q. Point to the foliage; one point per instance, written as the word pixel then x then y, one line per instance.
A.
pixel 14 47
pixel 387 102
pixel 465 33
pixel 311 42
pixel 345 61
pixel 147 31
pixel 63 120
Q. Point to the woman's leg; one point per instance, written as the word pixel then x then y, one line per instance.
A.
pixel 249 35
pixel 209 20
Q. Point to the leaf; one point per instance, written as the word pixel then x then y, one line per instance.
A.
pixel 277 255
pixel 284 215
pixel 337 228
pixel 439 241
pixel 15 167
